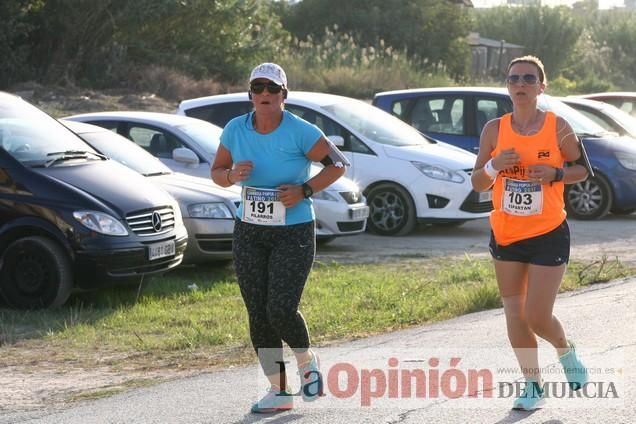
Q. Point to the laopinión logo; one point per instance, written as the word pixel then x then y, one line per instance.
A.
pixel 478 378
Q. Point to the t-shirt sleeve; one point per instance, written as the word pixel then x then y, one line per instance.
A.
pixel 310 134
pixel 227 138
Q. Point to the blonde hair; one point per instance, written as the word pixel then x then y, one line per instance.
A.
pixel 533 60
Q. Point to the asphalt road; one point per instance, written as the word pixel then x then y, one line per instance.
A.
pixel 600 318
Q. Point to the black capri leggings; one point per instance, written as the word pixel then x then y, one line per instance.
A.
pixel 272 265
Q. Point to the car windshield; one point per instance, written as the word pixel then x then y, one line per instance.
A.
pixel 125 152
pixel 580 123
pixel 375 124
pixel 625 119
pixel 206 135
pixel 32 137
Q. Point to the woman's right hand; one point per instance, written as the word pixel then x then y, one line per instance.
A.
pixel 506 159
pixel 241 171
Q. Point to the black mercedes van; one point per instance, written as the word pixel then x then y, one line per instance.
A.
pixel 72 219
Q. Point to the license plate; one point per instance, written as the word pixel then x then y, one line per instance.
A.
pixel 161 250
pixel 359 213
pixel 485 196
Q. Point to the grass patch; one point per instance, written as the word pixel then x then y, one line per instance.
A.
pixel 190 311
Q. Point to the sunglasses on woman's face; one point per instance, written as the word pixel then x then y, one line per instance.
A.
pixel 529 79
pixel 259 87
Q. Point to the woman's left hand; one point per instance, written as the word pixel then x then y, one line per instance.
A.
pixel 290 195
pixel 541 173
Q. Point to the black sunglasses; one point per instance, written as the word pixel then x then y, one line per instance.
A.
pixel 259 87
pixel 529 79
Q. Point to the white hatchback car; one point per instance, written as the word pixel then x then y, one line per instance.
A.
pixel 406 177
pixel 188 145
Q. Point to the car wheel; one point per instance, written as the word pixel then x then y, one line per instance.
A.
pixel 36 273
pixel 391 210
pixel 589 199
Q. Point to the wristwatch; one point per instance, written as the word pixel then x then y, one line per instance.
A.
pixel 307 190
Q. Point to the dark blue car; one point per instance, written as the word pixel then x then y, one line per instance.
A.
pixel 457 115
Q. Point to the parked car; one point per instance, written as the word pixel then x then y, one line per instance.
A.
pixel 188 145
pixel 208 210
pixel 604 114
pixel 407 178
pixel 70 217
pixel 626 101
pixel 613 158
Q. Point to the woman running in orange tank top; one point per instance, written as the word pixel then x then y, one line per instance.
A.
pixel 522 157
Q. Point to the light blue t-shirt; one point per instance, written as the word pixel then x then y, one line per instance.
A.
pixel 279 157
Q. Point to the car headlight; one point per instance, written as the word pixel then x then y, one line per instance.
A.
pixel 351 196
pixel 438 172
pixel 325 195
pixel 628 160
pixel 101 223
pixel 210 211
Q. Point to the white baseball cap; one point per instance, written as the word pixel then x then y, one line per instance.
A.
pixel 271 71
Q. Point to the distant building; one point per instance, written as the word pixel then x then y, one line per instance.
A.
pixel 490 58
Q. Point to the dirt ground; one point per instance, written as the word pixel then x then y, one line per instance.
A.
pixel 612 237
pixel 38 383
pixel 60 101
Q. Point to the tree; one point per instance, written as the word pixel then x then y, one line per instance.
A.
pixel 78 39
pixel 223 38
pixel 15 30
pixel 549 33
pixel 616 31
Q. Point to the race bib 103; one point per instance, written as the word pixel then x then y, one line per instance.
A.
pixel 522 197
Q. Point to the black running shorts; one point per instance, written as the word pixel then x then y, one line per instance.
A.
pixel 550 249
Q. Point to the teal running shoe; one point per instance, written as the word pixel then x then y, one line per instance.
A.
pixel 275 400
pixel 575 371
pixel 311 384
pixel 531 398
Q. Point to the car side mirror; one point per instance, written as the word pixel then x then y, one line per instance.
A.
pixel 338 140
pixel 185 156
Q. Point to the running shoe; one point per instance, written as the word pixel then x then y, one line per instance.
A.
pixel 575 371
pixel 531 398
pixel 311 384
pixel 275 400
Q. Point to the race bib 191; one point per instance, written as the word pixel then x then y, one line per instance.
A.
pixel 522 198
pixel 262 206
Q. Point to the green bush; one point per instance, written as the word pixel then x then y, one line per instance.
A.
pixel 339 65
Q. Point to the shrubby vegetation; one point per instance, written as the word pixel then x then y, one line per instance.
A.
pixel 355 47
pixel 339 64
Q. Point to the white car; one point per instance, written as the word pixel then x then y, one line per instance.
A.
pixel 188 145
pixel 406 177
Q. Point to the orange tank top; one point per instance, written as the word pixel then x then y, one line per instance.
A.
pixel 523 208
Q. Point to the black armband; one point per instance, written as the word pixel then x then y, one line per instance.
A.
pixel 335 157
pixel 583 160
